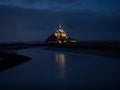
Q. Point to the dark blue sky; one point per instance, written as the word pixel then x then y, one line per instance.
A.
pixel 32 20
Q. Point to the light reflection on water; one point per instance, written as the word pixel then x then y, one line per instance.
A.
pixel 62 70
pixel 61 63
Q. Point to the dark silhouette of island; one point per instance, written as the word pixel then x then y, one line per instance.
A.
pixel 60 37
pixel 62 40
pixel 9 60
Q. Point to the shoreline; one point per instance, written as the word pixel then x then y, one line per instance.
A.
pixel 102 46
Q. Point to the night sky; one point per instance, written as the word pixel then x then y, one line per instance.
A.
pixel 35 20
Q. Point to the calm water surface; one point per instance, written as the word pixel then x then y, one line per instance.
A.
pixel 60 69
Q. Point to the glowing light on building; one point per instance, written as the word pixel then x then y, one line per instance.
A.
pixel 60 37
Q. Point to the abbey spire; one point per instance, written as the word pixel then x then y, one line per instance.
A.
pixel 60 26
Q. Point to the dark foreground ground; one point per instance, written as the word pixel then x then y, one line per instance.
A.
pixel 9 60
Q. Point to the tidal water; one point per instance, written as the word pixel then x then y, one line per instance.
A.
pixel 55 69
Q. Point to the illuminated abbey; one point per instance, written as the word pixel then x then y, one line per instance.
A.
pixel 60 37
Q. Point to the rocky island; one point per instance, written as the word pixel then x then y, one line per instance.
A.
pixel 60 37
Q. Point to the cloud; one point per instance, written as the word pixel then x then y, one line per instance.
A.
pixel 52 1
pixel 36 19
pixel 102 6
pixel 39 3
pixel 28 25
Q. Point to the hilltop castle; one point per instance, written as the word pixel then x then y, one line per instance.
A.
pixel 60 37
